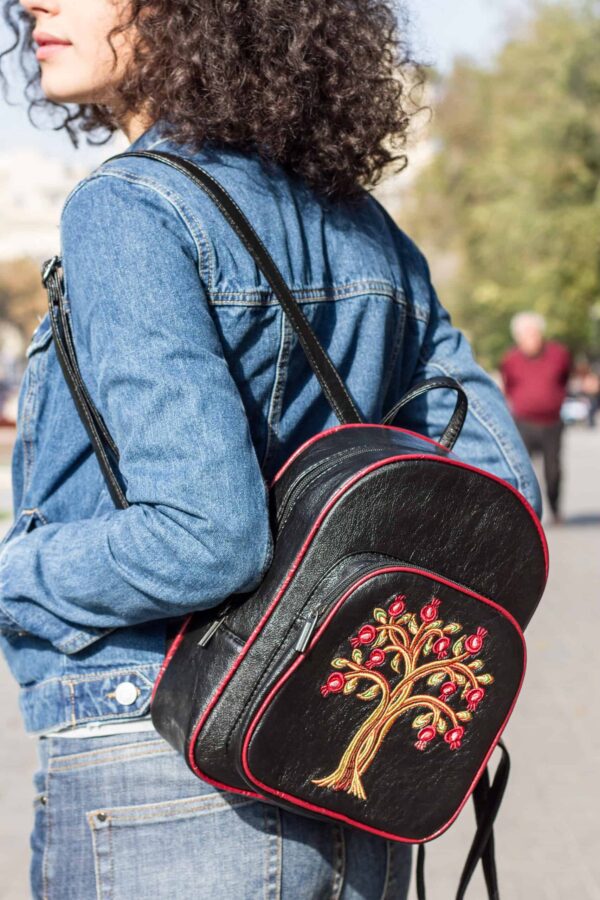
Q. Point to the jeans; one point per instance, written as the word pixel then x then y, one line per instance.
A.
pixel 122 817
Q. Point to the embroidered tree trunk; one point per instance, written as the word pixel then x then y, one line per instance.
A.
pixel 422 655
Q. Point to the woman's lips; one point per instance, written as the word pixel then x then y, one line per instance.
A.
pixel 48 44
pixel 47 50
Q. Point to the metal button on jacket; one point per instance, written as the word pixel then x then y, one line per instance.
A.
pixel 126 693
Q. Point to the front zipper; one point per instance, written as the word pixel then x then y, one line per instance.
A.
pixel 311 621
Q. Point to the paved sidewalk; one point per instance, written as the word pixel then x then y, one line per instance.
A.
pixel 548 834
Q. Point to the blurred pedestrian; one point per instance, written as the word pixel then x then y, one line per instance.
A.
pixel 585 387
pixel 535 373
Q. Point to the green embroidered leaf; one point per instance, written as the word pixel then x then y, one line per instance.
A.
pixel 476 665
pixel 380 639
pixel 422 720
pixel 442 726
pixel 350 686
pixel 370 693
pixel 412 625
pixel 436 678
pixel 459 645
pixel 437 624
pixel 428 646
pixel 396 662
pixel 339 663
pixel 485 679
pixel 357 656
pixel 380 615
pixel 404 618
pixel 459 678
pixel 452 628
pixel 464 716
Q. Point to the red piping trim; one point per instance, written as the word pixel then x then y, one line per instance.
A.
pixel 332 501
pixel 169 656
pixel 226 787
pixel 517 494
pixel 171 652
pixel 448 457
pixel 323 810
pixel 322 434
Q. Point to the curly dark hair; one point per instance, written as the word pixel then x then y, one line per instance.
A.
pixel 322 87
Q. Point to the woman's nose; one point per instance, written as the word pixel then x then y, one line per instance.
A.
pixel 35 7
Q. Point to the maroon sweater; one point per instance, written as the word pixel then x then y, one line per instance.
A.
pixel 535 386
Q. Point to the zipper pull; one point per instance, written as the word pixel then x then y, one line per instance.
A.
pixel 307 632
pixel 214 626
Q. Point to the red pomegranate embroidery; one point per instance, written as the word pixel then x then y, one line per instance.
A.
pixel 474 642
pixel 447 690
pixel 366 635
pixel 376 658
pixel 417 665
pixel 441 647
pixel 474 698
pixel 335 684
pixel 429 612
pixel 424 736
pixel 454 737
pixel 397 606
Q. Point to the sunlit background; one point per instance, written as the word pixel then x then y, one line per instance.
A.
pixel 502 192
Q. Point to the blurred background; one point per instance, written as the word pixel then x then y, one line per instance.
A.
pixel 502 193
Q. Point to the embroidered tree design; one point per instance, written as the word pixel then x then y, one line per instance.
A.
pixel 421 653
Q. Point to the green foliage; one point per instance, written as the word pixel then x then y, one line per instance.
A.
pixel 513 192
pixel 370 693
pixel 422 720
pixel 459 646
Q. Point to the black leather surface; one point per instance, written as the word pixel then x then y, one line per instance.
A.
pixel 410 793
pixel 458 523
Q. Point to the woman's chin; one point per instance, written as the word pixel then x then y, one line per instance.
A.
pixel 57 93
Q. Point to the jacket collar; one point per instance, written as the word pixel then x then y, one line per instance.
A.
pixel 155 134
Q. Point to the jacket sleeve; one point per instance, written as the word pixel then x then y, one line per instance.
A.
pixel 197 528
pixel 489 439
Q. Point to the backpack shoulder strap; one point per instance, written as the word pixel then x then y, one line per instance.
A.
pixel 104 447
pixel 329 378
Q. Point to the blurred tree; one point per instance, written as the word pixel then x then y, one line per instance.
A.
pixel 22 298
pixel 513 192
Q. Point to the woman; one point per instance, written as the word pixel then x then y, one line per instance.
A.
pixel 295 108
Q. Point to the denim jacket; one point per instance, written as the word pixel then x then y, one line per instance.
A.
pixel 202 383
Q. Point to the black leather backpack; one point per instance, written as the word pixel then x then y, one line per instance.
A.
pixel 369 678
